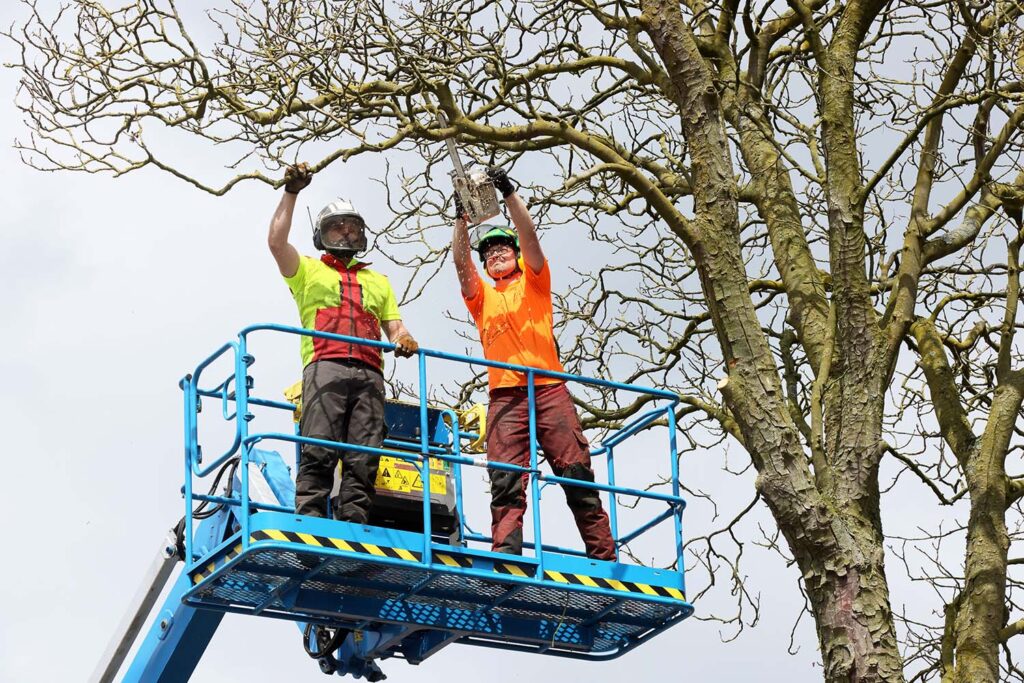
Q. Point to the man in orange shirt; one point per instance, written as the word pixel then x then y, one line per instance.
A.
pixel 514 318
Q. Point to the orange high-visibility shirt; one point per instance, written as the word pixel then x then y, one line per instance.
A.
pixel 514 322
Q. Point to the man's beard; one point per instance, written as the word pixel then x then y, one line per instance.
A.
pixel 344 255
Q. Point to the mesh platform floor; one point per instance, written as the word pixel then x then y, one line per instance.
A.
pixel 346 591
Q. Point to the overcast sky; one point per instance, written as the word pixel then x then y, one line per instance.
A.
pixel 114 289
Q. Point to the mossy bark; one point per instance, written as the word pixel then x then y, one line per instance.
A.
pixel 835 534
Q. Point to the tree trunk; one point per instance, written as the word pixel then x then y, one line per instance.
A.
pixel 982 612
pixel 850 600
pixel 838 547
pixel 977 615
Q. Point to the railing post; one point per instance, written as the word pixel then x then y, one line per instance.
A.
pixel 457 470
pixel 425 455
pixel 298 451
pixel 670 415
pixel 188 393
pixel 531 396
pixel 242 420
pixel 613 509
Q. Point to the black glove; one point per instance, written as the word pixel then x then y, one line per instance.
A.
pixel 460 210
pixel 296 178
pixel 501 180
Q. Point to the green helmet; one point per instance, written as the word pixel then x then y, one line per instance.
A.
pixel 486 235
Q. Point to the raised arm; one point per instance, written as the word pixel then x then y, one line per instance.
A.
pixel 525 228
pixel 469 277
pixel 287 257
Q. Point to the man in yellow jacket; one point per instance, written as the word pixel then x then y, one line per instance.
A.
pixel 342 382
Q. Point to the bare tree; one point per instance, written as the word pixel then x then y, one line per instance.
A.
pixel 783 194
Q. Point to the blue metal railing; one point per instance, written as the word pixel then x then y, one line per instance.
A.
pixel 236 388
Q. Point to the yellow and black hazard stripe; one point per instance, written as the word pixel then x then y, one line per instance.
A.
pixel 525 571
pixel 335 543
pixel 454 560
pixel 449 560
pixel 208 569
pixel 513 569
pixel 356 547
pixel 623 586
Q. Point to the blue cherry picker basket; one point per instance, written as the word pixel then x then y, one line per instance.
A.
pixel 417 577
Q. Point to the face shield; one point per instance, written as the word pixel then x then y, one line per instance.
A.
pixel 340 229
pixel 343 233
pixel 477 233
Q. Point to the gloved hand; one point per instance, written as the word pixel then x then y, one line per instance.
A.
pixel 460 210
pixel 297 178
pixel 501 180
pixel 406 346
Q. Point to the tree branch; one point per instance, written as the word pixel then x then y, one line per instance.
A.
pixel 956 428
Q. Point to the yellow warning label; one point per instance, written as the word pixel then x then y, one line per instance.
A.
pixel 398 475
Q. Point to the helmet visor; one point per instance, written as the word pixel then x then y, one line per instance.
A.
pixel 478 232
pixel 346 233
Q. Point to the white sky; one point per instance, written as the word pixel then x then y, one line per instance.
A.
pixel 113 289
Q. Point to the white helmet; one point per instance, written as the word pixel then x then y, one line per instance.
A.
pixel 334 214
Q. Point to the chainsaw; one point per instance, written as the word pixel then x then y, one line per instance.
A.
pixel 475 189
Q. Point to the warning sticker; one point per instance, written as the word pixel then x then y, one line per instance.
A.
pixel 401 476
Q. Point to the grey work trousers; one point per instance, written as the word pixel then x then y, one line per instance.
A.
pixel 342 400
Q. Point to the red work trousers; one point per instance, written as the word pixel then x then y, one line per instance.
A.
pixel 566 450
